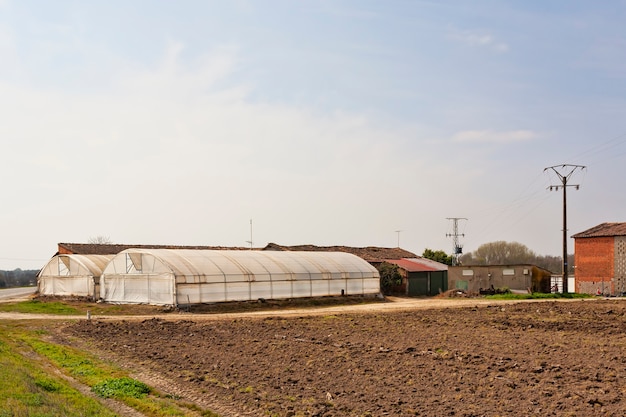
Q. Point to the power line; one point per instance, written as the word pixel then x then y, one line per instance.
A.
pixel 500 213
pixel 601 148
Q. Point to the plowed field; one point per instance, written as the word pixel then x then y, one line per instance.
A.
pixel 548 358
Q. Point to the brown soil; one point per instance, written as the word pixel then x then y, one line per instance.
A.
pixel 547 358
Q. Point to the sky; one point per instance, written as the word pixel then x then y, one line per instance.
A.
pixel 345 122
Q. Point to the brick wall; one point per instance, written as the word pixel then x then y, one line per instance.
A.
pixel 594 260
pixel 64 251
pixel 620 265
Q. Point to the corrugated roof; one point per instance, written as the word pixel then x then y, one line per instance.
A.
pixel 418 264
pixel 603 230
pixel 369 253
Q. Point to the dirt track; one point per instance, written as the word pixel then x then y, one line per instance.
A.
pixel 547 358
pixel 389 305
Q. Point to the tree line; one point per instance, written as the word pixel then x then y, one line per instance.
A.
pixel 18 278
pixel 504 253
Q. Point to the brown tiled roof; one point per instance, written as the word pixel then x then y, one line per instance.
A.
pixel 603 230
pixel 370 253
pixel 114 249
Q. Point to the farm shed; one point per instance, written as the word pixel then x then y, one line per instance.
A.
pixel 600 259
pixel 184 276
pixel 72 275
pixel 521 277
pixel 421 276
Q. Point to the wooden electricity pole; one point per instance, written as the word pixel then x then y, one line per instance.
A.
pixel 564 172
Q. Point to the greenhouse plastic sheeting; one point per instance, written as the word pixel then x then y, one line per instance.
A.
pixel 183 276
pixel 71 275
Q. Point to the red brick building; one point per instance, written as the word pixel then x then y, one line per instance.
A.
pixel 600 259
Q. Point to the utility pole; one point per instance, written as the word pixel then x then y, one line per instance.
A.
pixel 564 172
pixel 457 249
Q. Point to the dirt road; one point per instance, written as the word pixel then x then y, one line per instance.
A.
pixel 391 304
pixel 16 294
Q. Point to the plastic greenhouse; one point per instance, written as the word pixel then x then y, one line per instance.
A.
pixel 183 276
pixel 72 275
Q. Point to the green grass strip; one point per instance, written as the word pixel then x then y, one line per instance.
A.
pixel 28 390
pixel 108 381
pixel 38 307
pixel 537 296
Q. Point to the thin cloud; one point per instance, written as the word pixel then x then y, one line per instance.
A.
pixel 477 39
pixel 8 54
pixel 208 69
pixel 347 12
pixel 494 136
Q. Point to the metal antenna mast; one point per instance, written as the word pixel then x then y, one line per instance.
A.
pixel 457 248
pixel 564 172
pixel 250 241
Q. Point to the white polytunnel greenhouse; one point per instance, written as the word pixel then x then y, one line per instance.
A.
pixel 72 275
pixel 184 276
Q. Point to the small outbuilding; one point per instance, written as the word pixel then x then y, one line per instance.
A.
pixel 420 276
pixel 185 276
pixel 520 277
pixel 72 275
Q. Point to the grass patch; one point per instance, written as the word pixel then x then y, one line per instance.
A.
pixel 120 388
pixel 246 390
pixel 537 296
pixel 48 384
pixel 38 307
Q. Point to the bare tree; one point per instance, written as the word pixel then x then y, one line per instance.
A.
pixel 100 240
pixel 499 253
pixel 502 253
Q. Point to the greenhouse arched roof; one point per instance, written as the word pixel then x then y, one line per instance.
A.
pixel 214 275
